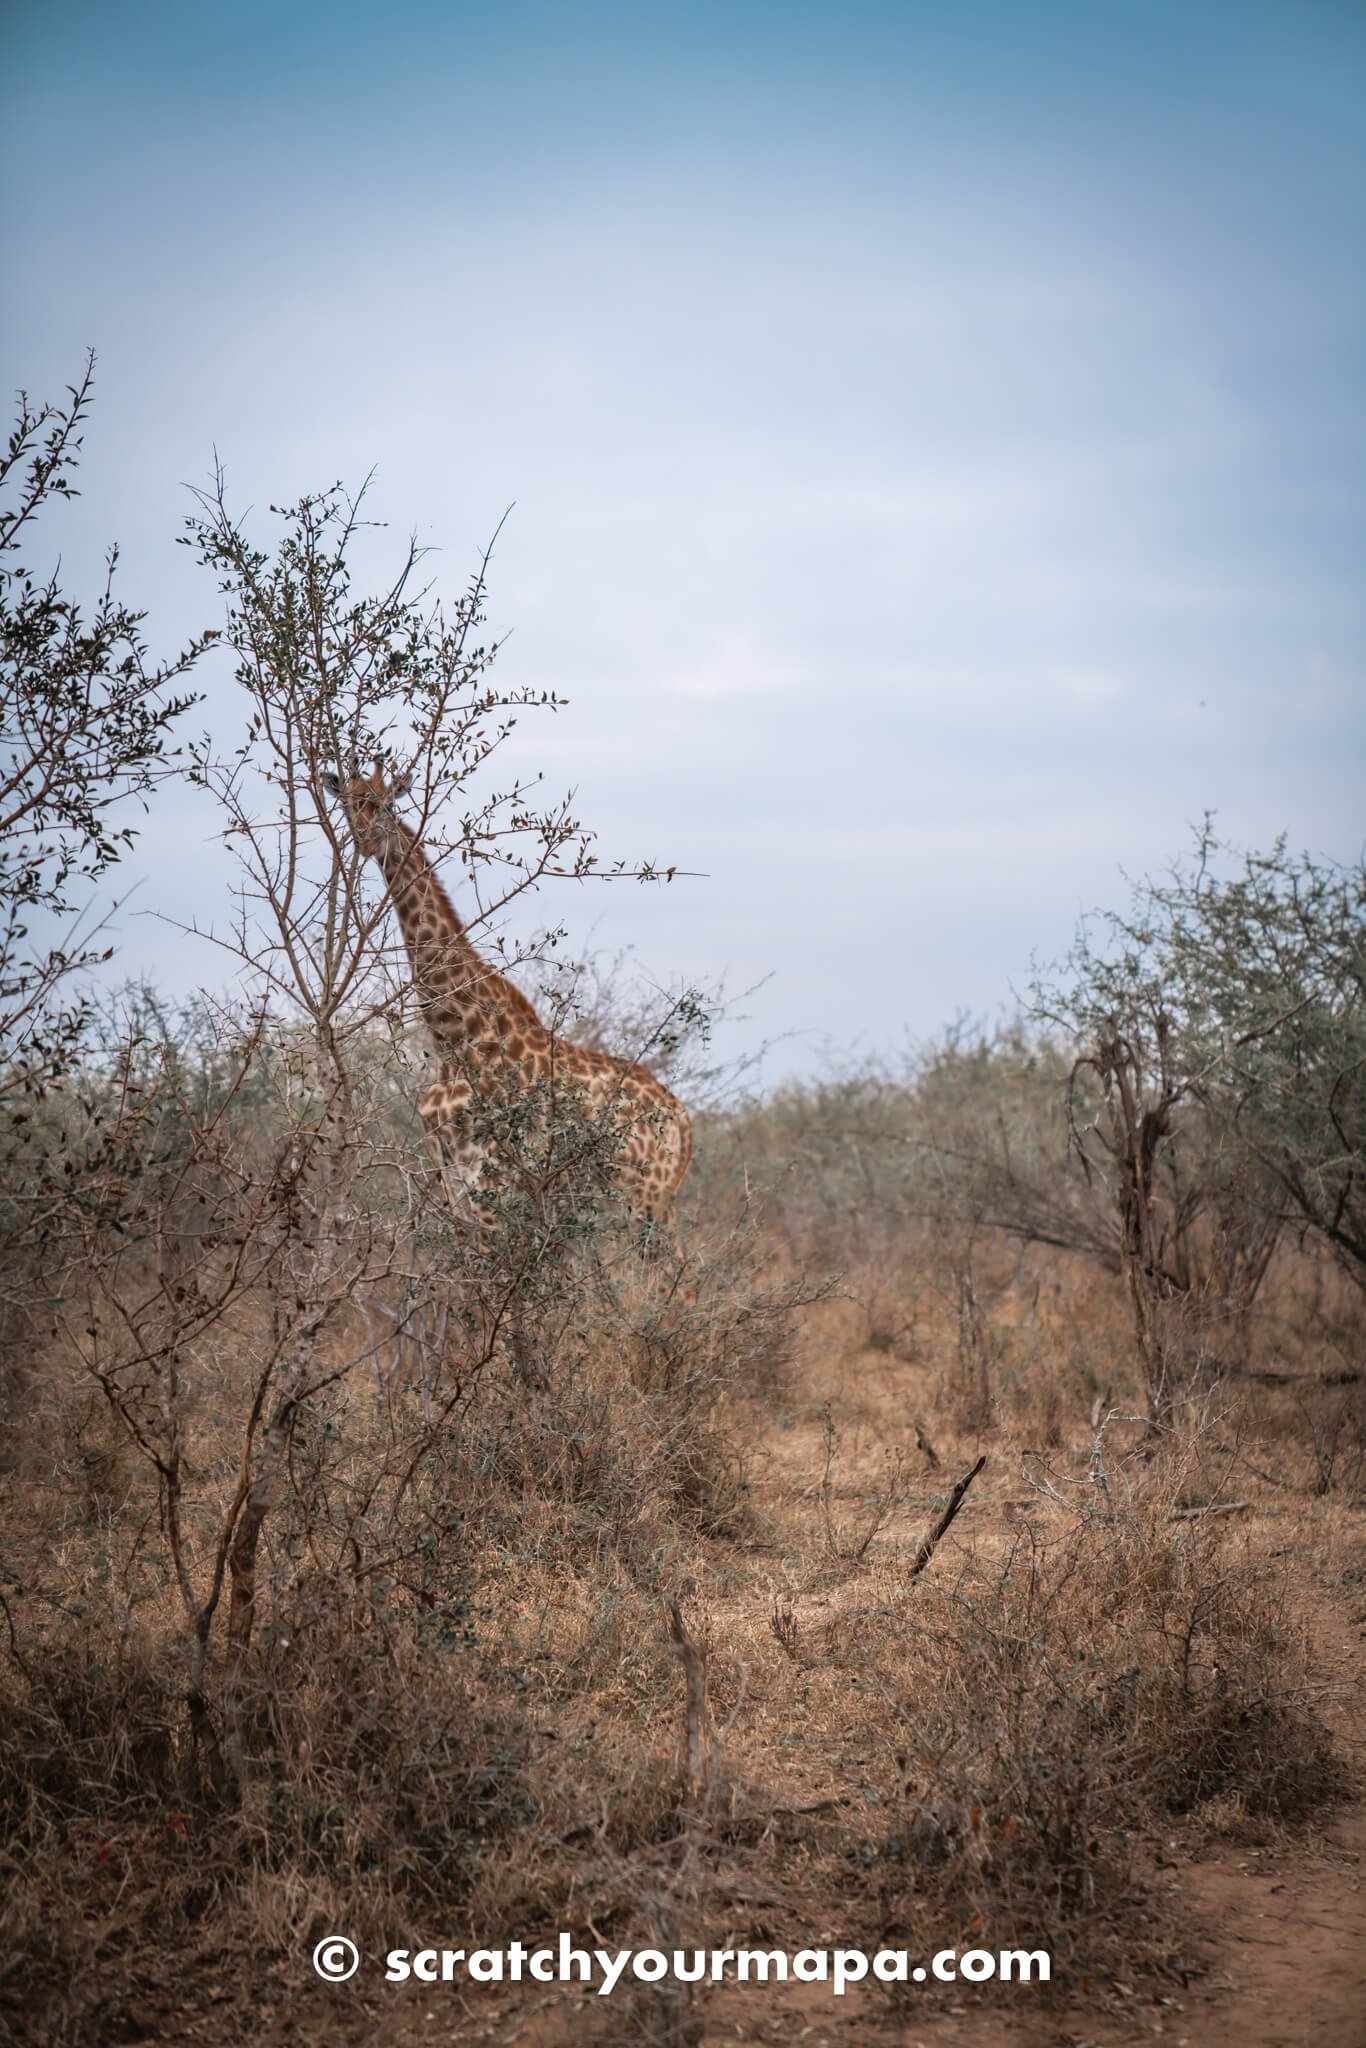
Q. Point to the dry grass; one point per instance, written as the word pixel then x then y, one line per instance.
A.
pixel 461 1711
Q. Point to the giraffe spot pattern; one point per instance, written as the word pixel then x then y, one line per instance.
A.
pixel 492 1044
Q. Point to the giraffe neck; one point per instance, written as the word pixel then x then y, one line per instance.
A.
pixel 466 1004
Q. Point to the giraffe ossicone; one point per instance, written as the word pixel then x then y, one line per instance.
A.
pixel 497 1058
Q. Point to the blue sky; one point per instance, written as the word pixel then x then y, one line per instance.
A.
pixel 936 432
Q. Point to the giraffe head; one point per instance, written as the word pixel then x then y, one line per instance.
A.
pixel 368 801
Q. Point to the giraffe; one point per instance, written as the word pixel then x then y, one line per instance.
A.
pixel 494 1050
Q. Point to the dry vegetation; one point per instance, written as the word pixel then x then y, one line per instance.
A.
pixel 461 1709
pixel 327 1607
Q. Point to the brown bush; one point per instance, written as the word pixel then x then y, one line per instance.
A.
pixel 1061 1704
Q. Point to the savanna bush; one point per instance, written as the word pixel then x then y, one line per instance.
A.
pixel 1065 1705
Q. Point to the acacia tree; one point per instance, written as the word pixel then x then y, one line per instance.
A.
pixel 87 727
pixel 1193 1228
pixel 332 676
pixel 287 1209
pixel 1262 956
pixel 86 724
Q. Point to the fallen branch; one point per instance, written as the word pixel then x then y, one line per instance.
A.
pixel 1223 1507
pixel 1280 1376
pixel 956 1499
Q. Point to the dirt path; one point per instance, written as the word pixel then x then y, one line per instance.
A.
pixel 1291 1934
pixel 1288 1926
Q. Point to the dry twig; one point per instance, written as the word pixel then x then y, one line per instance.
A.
pixel 699 1724
pixel 956 1499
